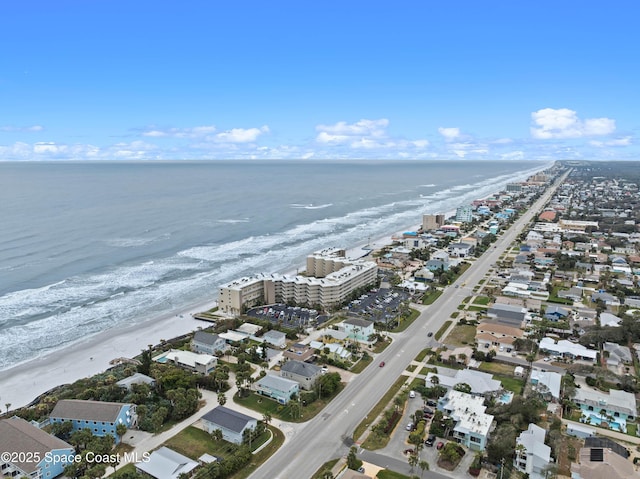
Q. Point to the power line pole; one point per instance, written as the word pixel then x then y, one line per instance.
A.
pixel 501 467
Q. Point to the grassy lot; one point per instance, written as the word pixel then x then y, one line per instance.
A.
pixel 569 446
pixel 477 308
pixel 461 335
pixel 510 383
pixel 327 466
pixel 431 296
pixel 194 442
pixel 284 412
pixel 387 474
pixel 497 368
pixel 262 456
pixel 378 408
pixel 381 346
pixel 422 354
pixel 442 330
pixel 426 371
pixel 411 368
pixel 631 429
pixel 407 322
pixel 124 470
pixel 484 300
pixel 361 364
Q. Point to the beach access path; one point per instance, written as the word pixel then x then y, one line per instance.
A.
pixel 328 435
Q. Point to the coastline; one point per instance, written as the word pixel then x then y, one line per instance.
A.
pixel 24 382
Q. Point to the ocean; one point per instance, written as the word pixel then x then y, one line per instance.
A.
pixel 90 246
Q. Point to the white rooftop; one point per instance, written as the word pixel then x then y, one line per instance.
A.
pixel 616 400
pixel 549 379
pixel 468 412
pixel 166 463
pixel 189 358
pixel 481 383
pixel 567 347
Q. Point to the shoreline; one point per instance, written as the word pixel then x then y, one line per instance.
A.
pixel 22 383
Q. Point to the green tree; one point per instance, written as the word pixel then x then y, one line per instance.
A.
pixel 121 430
pixel 352 460
pixel 424 466
pixel 222 399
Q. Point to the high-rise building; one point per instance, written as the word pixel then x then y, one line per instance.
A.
pixel 432 222
pixel 464 214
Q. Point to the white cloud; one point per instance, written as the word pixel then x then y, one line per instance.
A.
pixel 343 131
pixel 241 135
pixel 22 129
pixel 449 133
pixel 564 123
pixel 502 141
pixel 624 141
pixel 189 132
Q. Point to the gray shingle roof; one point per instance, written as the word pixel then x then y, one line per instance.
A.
pixel 228 418
pixel 363 323
pixel 17 435
pixel 205 338
pixel 302 369
pixel 87 410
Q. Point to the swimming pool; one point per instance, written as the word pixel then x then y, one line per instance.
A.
pixel 506 398
pixel 597 420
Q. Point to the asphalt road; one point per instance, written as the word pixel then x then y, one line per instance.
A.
pixel 328 435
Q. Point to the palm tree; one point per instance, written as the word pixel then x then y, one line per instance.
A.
pixel 8 405
pixel 266 418
pixel 121 430
pixel 424 466
pixel 413 461
pixel 216 434
pixel 222 399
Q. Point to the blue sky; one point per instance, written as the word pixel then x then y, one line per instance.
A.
pixel 113 79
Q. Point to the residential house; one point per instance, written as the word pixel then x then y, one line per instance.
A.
pixel 275 338
pixel 333 350
pixel 614 408
pixel 608 319
pixel 567 349
pixel 547 383
pixel 299 352
pixel 532 454
pixel 231 423
pixel 599 463
pixel 460 250
pixel 573 294
pixel 165 463
pixel 278 388
pixel 136 378
pixel 482 384
pixel 608 299
pixel 25 448
pixel 198 363
pixel 437 264
pixel 423 275
pixel 472 425
pixel 580 430
pixel 509 314
pixel 358 329
pixel 207 343
pixel 497 336
pixel 304 374
pixel 100 417
pixel 556 313
pixel 617 355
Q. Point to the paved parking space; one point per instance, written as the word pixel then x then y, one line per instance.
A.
pixel 289 316
pixel 381 305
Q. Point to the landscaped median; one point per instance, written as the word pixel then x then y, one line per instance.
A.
pixel 442 329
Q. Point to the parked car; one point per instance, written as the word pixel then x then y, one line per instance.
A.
pixel 432 403
pixel 409 451
pixel 410 426
pixel 430 440
pixel 412 394
pixel 440 445
pixel 426 410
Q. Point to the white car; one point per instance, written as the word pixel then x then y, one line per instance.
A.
pixel 412 394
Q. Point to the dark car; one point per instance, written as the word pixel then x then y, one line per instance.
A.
pixel 382 364
pixel 440 445
pixel 427 411
pixel 409 451
pixel 430 440
pixel 429 334
pixel 432 403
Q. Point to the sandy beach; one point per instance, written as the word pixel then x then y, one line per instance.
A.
pixel 21 384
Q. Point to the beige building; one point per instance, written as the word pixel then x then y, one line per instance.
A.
pixel 330 279
pixel 432 222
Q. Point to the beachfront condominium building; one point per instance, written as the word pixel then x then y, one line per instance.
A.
pixel 432 222
pixel 464 214
pixel 330 279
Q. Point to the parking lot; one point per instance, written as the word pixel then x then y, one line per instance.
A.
pixel 381 305
pixel 289 316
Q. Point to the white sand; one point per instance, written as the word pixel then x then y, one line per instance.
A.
pixel 23 383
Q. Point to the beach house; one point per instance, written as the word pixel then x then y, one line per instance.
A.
pixel 598 407
pixel 197 363
pixel 24 450
pixel 165 463
pixel 304 374
pixel 275 338
pixel 136 379
pixel 532 455
pixel 232 423
pixel 101 418
pixel 278 388
pixel 472 425
pixel 207 343
pixel 358 329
